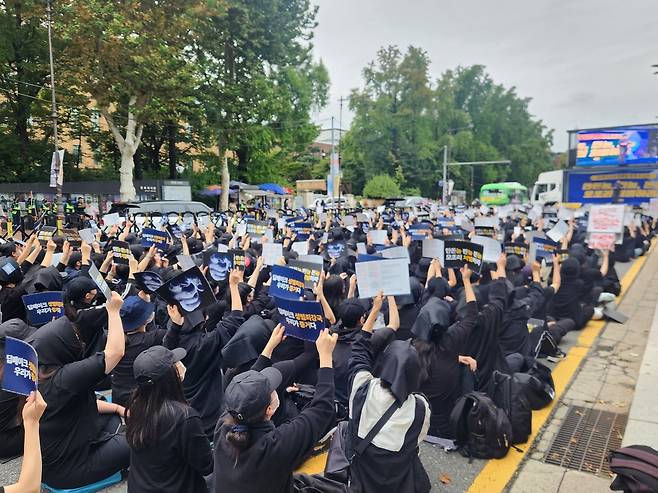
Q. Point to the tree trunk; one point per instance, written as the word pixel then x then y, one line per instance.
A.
pixel 171 147
pixel 127 188
pixel 226 179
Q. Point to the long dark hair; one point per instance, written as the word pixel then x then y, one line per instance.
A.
pixel 240 440
pixel 426 353
pixel 152 406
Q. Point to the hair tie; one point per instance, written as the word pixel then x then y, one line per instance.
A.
pixel 239 428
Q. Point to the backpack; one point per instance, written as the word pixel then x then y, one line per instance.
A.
pixel 481 429
pixel 539 385
pixel 543 343
pixel 636 467
pixel 509 393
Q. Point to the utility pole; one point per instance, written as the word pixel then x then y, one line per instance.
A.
pixel 331 161
pixel 444 200
pixel 59 166
pixel 340 141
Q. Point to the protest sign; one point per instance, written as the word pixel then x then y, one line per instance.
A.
pixel 189 291
pixel 99 280
pixel 458 253
pixel 364 257
pixel 310 270
pixel 518 249
pixel 272 252
pixel 378 236
pixel 301 247
pixel 148 281
pixel 558 231
pixel 314 259
pixel 286 282
pixel 543 248
pixel 361 248
pixel 565 213
pixel 175 231
pixel 336 249
pixel 420 231
pixel 433 249
pixel 45 234
pixel 301 319
pixel 485 226
pixel 121 252
pixel 43 307
pixel 240 260
pixel 219 264
pixel 491 248
pixel 606 219
pixel 151 237
pixel 185 262
pixel 256 229
pixel 21 365
pixel 303 231
pixel 389 275
pixel 241 229
pixel 73 237
pixel 112 219
pixel 348 221
pixel 396 252
pixel 601 241
pixel 87 235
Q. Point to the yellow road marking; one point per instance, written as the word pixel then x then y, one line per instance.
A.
pixel 497 473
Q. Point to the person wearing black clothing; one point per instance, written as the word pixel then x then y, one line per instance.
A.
pixel 439 347
pixel 169 451
pixel 12 290
pixel 390 463
pixel 203 385
pixel 81 443
pixel 254 456
pixel 136 314
pixel 566 302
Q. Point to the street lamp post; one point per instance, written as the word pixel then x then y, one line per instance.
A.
pixel 59 166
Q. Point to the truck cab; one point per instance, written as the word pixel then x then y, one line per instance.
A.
pixel 548 187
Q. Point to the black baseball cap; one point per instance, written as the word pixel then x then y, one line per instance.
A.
pixel 249 393
pixel 350 312
pixel 155 362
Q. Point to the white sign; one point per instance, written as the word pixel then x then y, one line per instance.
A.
pixel 606 219
pixel 492 248
pixel 390 276
pixel 301 247
pixel 433 248
pixel 378 236
pixel 272 252
pixel 397 252
pixel 558 231
pixel 601 241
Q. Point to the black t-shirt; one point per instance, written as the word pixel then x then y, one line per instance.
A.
pixel 123 380
pixel 8 411
pixel 68 425
pixel 179 459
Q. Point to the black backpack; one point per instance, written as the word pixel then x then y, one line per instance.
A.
pixel 539 385
pixel 510 395
pixel 636 468
pixel 481 429
pixel 543 343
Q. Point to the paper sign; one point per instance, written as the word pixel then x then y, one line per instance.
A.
pixel 155 237
pixel 361 248
pixel 257 228
pixel 348 221
pixel 311 271
pixel 219 265
pixel 301 247
pixel 336 249
pixel 314 259
pixel 303 231
pixel 240 260
pixel 433 249
pixel 364 257
pixel 390 276
pixel 189 291
pixel 21 365
pixel 73 237
pixel 87 235
pixel 99 280
pixel 565 214
pixel 112 219
pixel 518 249
pixel 491 248
pixel 121 252
pixel 45 234
pixel 43 307
pixel 601 241
pixel 420 231
pixel 378 236
pixel 185 262
pixel 301 319
pixel 286 283
pixel 148 281
pixel 396 252
pixel 458 253
pixel 558 231
pixel 544 249
pixel 272 252
pixel 606 219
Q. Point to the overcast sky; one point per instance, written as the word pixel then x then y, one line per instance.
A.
pixel 585 63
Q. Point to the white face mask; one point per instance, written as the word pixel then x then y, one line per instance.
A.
pixel 180 368
pixel 274 402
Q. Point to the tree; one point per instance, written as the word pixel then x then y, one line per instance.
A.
pixel 381 187
pixel 132 62
pixel 258 84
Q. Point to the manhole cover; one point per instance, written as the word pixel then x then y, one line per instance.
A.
pixel 585 438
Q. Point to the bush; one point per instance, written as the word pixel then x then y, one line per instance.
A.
pixel 381 187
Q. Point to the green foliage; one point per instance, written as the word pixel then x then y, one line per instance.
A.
pixel 402 122
pixel 381 187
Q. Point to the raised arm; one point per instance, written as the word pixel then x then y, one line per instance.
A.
pixel 319 293
pixel 116 344
pixel 557 275
pixel 393 314
pixel 605 263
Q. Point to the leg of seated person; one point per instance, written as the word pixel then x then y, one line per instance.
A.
pixel 11 442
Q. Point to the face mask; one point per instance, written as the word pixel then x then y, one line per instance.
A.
pixel 274 403
pixel 180 368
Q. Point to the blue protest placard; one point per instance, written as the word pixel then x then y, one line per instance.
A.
pixel 336 249
pixel 364 257
pixel 544 249
pixel 43 307
pixel 155 237
pixel 21 363
pixel 301 319
pixel 303 231
pixel 286 282
pixel 420 231
pixel 219 265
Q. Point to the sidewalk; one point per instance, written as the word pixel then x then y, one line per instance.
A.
pixel 609 380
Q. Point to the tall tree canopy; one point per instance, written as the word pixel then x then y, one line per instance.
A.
pixel 403 120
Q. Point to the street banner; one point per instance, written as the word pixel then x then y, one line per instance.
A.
pixel 518 249
pixel 43 307
pixel 606 219
pixel 433 249
pixel 389 275
pixel 21 365
pixel 458 253
pixel 286 283
pixel 491 248
pixel 301 319
pixel 311 271
pixel 189 291
pixel 155 237
pixel 272 252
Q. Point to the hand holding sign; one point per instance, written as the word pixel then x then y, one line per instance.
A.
pixel 21 366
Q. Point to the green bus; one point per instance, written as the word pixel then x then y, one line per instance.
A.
pixel 503 193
